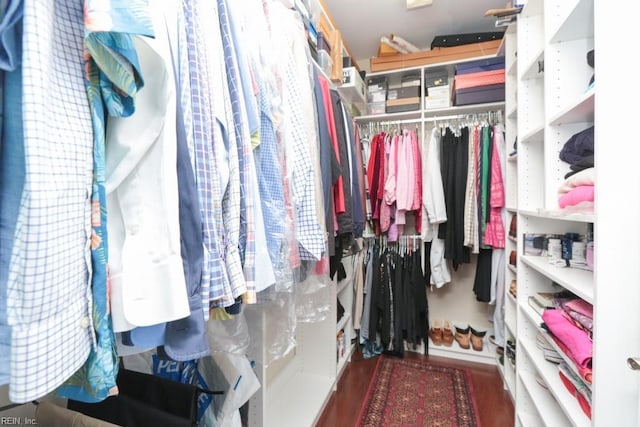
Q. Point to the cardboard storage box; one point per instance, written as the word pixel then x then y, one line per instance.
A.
pixel 352 88
pixel 437 97
pixel 403 104
pixel 435 56
pixel 404 92
pixel 377 96
pixel 436 77
pixel 410 80
pixel 479 95
pixel 483 78
pixel 489 64
pixel 377 83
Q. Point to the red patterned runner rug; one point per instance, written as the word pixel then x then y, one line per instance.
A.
pixel 414 392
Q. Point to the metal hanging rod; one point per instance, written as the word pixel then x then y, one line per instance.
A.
pixel 363 120
pixel 389 121
pixel 482 114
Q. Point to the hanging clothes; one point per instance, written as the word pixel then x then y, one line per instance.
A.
pixel 48 306
pixel 245 125
pixel 394 183
pixel 491 204
pixel 187 189
pixel 434 211
pixel 454 159
pixel 360 213
pixel 471 236
pixel 12 161
pixel 308 232
pixel 395 303
pixel 498 260
pixel 345 218
pixel 144 230
pixel 110 86
pixel 329 166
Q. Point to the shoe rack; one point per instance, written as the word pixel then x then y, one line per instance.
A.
pixel 454 314
pixel 549 100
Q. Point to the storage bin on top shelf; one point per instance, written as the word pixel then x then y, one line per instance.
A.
pixel 434 56
pixel 479 81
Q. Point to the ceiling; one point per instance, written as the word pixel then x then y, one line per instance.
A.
pixel 363 22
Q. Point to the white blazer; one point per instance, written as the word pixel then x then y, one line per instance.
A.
pixel 147 277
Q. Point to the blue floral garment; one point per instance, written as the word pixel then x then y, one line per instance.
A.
pixel 112 80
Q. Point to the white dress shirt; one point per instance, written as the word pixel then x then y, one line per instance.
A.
pixel 147 277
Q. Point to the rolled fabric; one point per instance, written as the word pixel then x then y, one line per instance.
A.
pixel 403 43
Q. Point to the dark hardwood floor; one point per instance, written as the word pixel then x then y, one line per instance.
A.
pixel 494 404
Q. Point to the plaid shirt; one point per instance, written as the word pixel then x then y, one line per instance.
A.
pixel 195 98
pixel 471 198
pixel 227 162
pixel 49 292
pixel 11 162
pixel 237 72
pixel 112 81
pixel 309 232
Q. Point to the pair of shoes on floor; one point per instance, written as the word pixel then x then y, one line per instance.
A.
pixel 469 337
pixel 441 333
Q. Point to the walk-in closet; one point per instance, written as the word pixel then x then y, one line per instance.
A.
pixel 314 213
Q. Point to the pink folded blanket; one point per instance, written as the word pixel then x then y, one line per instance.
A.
pixel 579 194
pixel 576 340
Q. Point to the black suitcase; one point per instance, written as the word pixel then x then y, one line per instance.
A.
pixel 460 39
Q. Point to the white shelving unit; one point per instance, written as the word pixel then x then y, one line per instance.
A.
pixel 511 201
pixel 554 102
pixel 297 385
pixel 344 295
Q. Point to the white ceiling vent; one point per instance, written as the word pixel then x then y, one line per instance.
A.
pixel 412 4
